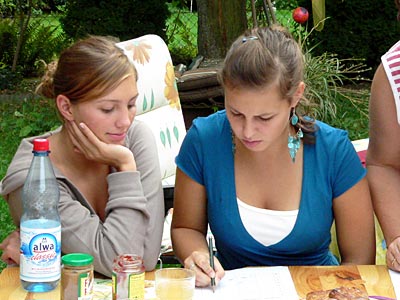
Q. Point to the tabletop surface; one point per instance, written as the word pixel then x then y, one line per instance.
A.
pixel 374 278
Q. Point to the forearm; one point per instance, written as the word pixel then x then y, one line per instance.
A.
pixel 360 249
pixel 384 184
pixel 185 241
pixel 355 226
pixel 363 252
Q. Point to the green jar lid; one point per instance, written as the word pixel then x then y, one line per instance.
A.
pixel 77 259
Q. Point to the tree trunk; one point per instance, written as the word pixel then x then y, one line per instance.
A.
pixel 220 23
pixel 23 24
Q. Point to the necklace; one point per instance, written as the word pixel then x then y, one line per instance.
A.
pixel 233 143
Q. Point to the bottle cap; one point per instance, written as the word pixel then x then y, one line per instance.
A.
pixel 77 259
pixel 40 145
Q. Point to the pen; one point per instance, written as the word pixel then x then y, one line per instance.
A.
pixel 211 250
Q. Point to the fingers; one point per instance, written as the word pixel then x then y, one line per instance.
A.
pixel 83 139
pixel 199 262
pixel 10 262
pixel 71 128
pixel 219 270
pixel 393 255
pixel 11 248
pixel 88 144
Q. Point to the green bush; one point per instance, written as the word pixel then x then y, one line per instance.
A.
pixel 181 34
pixel 326 76
pixel 363 29
pixel 285 5
pixel 42 42
pixel 8 79
pixel 124 19
pixel 8 40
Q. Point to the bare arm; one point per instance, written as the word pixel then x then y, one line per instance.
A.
pixel 383 163
pixel 189 229
pixel 355 228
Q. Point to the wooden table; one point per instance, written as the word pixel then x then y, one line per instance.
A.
pixel 375 278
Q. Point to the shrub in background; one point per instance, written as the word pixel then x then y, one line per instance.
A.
pixel 8 40
pixel 8 79
pixel 326 76
pixel 356 29
pixel 41 42
pixel 181 33
pixel 124 19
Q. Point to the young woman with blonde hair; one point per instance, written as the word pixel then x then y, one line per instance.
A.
pixel 106 162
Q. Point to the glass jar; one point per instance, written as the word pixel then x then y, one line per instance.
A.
pixel 128 277
pixel 77 277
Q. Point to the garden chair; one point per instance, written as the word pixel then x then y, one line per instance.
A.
pixel 158 103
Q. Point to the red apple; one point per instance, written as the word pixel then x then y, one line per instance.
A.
pixel 300 15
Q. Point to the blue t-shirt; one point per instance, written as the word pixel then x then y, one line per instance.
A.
pixel 330 167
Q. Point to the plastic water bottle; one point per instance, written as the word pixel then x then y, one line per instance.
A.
pixel 40 226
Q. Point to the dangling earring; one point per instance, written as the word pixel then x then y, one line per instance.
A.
pixel 294 141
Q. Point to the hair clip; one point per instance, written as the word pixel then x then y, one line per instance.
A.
pixel 249 38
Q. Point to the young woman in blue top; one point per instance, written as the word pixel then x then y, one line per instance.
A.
pixel 268 181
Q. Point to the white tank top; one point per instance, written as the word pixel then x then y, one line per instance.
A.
pixel 266 226
pixel 391 63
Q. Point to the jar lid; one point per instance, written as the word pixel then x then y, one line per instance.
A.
pixel 77 259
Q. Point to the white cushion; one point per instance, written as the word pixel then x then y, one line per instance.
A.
pixel 158 104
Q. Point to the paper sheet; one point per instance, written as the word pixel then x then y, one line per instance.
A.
pixel 273 283
pixel 395 277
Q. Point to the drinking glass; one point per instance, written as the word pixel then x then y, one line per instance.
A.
pixel 174 284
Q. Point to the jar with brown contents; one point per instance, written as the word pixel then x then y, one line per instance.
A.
pixel 77 277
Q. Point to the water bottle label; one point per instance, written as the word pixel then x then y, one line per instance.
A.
pixel 40 254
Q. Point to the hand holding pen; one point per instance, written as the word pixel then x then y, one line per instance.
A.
pixel 204 267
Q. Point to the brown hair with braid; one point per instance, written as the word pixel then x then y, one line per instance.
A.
pixel 262 56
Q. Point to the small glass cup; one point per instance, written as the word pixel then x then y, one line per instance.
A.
pixel 174 284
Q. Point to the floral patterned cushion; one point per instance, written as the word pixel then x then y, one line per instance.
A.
pixel 158 104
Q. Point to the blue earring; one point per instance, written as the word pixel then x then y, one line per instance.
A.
pixel 294 141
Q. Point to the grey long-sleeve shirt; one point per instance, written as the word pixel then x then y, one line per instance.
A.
pixel 134 211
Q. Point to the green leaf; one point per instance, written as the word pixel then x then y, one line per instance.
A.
pixel 144 107
pixel 176 133
pixel 162 137
pixel 169 136
pixel 152 99
pixel 25 131
pixel 18 114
